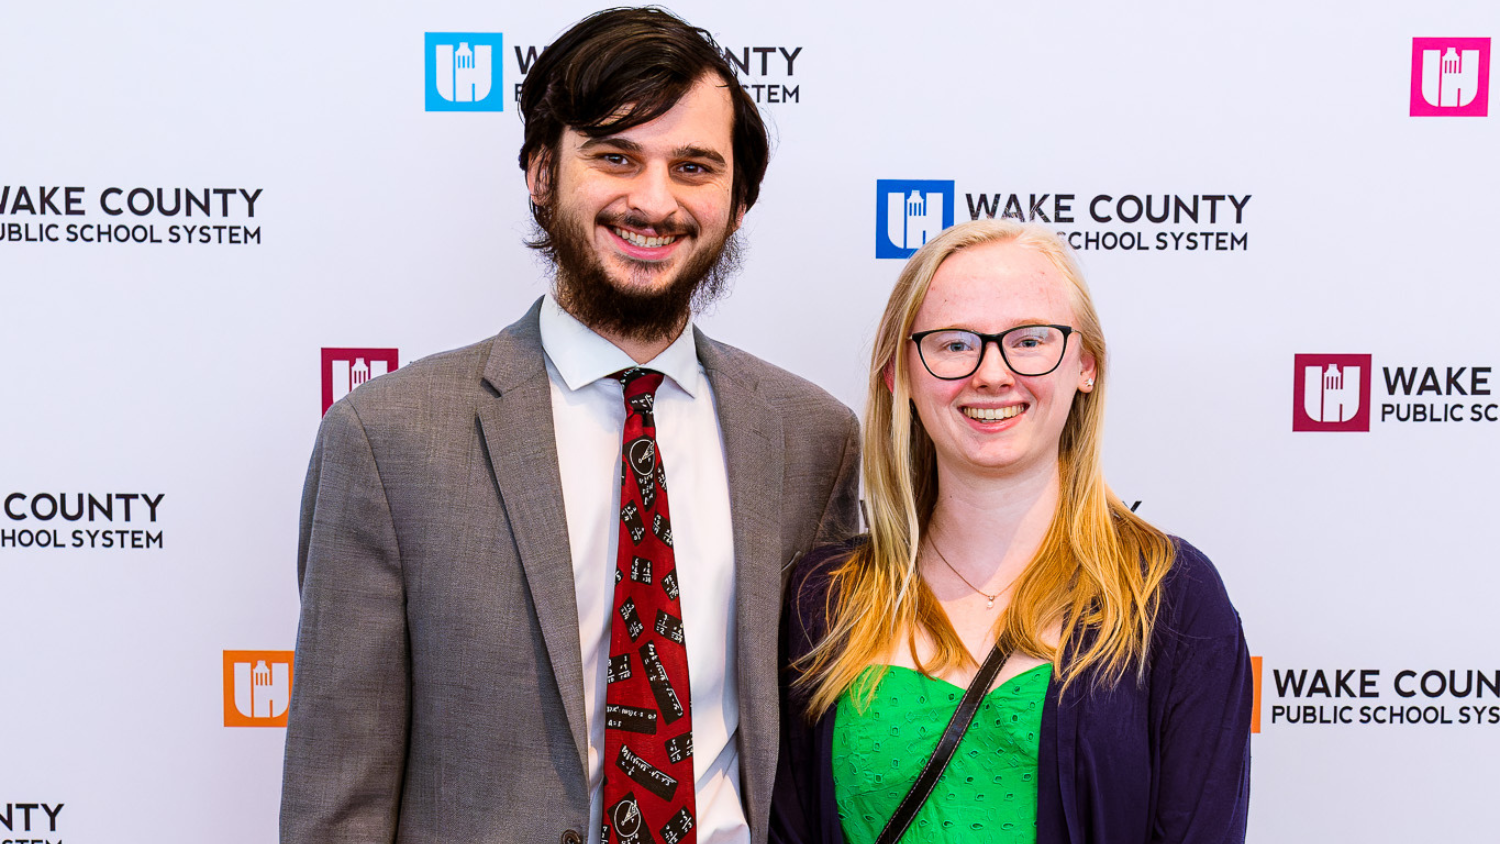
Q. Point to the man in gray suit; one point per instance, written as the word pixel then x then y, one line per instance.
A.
pixel 461 518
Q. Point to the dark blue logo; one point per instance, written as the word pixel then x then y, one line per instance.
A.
pixel 910 212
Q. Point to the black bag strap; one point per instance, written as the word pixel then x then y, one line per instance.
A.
pixel 968 706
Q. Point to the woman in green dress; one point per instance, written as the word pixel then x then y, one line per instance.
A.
pixel 1122 712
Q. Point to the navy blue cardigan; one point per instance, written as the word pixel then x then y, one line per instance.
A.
pixel 1163 760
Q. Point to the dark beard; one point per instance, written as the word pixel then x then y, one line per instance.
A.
pixel 583 287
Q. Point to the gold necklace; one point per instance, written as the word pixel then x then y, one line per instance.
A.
pixel 987 596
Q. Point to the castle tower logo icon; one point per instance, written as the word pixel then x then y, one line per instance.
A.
pixel 257 688
pixel 1331 393
pixel 346 369
pixel 462 74
pixel 910 212
pixel 1450 77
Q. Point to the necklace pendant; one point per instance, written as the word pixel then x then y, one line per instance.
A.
pixel 991 604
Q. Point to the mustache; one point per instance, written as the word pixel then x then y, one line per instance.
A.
pixel 669 226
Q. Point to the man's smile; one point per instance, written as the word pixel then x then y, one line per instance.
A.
pixel 642 240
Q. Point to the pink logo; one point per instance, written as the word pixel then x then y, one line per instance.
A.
pixel 1450 77
pixel 1331 393
pixel 345 369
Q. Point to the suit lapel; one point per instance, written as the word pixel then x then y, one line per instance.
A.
pixel 521 442
pixel 522 447
pixel 753 451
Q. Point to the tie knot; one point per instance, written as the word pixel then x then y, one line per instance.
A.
pixel 640 388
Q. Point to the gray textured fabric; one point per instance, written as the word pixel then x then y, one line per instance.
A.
pixel 438 693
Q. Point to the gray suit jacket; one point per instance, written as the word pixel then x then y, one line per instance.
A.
pixel 438 685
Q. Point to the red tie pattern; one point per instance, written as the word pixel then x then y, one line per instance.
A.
pixel 648 732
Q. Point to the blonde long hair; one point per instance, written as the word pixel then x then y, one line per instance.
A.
pixel 1099 568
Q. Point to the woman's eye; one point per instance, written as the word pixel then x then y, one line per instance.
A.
pixel 1031 338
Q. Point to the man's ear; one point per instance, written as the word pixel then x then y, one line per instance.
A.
pixel 539 177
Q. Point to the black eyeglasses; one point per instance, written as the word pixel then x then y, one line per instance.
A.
pixel 955 353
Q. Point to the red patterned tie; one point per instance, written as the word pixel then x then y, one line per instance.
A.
pixel 648 724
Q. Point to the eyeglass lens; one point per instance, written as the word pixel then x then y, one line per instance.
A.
pixel 1028 350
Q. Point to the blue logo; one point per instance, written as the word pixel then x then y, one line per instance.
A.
pixel 463 71
pixel 908 213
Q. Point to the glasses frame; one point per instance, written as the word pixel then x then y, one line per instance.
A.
pixel 984 344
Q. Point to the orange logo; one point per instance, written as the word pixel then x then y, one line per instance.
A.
pixel 1255 707
pixel 257 688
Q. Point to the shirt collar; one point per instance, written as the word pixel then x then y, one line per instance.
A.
pixel 583 357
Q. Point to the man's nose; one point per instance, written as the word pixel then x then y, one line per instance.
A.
pixel 651 193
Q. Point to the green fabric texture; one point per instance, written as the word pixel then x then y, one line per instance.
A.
pixel 988 792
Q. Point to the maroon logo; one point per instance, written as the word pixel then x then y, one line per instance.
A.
pixel 1331 393
pixel 345 369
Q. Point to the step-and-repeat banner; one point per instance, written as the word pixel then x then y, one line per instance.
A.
pixel 216 219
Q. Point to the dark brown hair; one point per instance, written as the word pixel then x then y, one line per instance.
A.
pixel 618 69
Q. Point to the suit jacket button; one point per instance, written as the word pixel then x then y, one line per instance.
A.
pixel 572 837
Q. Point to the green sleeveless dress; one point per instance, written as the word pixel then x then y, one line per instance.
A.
pixel 988 792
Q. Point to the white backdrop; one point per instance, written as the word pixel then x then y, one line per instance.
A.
pixel 189 373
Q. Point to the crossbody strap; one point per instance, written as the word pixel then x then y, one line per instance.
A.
pixel 943 754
